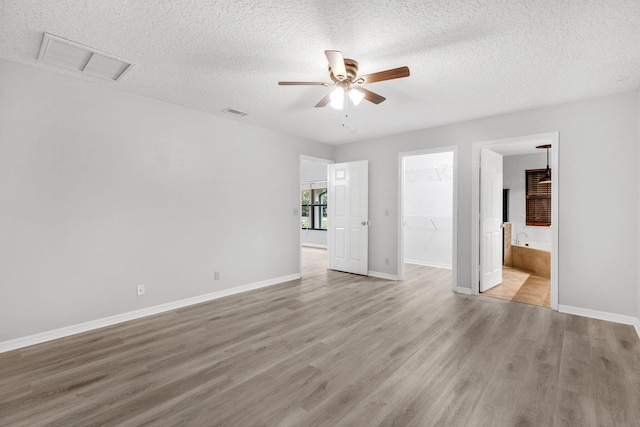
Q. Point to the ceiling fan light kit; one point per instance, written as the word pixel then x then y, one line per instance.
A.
pixel 337 98
pixel 344 74
pixel 356 96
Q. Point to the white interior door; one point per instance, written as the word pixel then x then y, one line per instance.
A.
pixel 490 219
pixel 348 217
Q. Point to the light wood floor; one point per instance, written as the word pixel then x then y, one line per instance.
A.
pixel 334 349
pixel 521 286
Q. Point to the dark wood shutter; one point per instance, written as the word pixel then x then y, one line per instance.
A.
pixel 538 199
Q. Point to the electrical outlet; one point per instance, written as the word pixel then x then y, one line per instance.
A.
pixel 140 290
pixel 216 275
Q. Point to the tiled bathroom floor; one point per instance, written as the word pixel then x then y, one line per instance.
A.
pixel 518 285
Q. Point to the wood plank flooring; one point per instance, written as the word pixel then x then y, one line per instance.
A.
pixel 334 349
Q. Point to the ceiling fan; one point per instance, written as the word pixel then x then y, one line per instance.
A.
pixel 344 73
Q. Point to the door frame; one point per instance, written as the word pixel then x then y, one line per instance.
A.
pixel 299 197
pixel 401 172
pixel 476 147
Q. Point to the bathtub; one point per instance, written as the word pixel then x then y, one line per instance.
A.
pixel 543 246
pixel 534 258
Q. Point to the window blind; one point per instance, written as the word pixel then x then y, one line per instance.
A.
pixel 538 203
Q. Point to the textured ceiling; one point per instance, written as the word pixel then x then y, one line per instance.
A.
pixel 468 59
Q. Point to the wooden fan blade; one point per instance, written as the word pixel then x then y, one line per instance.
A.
pixel 303 84
pixel 395 73
pixel 371 96
pixel 336 62
pixel 324 101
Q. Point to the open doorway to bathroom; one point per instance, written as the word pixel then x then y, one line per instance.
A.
pixel 524 253
pixel 427 235
pixel 526 228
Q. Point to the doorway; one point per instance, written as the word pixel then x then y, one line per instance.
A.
pixel 521 233
pixel 334 213
pixel 313 214
pixel 428 211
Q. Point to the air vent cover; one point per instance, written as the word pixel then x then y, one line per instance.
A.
pixel 65 53
pixel 234 112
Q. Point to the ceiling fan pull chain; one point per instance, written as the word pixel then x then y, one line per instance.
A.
pixel 346 105
pixel 346 109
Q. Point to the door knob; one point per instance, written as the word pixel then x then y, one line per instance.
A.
pixel 364 222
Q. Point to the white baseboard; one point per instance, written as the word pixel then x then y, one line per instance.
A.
pixel 601 315
pixel 465 291
pixel 137 314
pixel 427 264
pixel 382 275
pixel 313 245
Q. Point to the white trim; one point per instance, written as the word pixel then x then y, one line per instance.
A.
pixel 427 264
pixel 454 250
pixel 313 245
pixel 313 184
pixel 316 159
pixel 637 327
pixel 382 275
pixel 464 291
pixel 543 138
pixel 600 315
pixel 136 314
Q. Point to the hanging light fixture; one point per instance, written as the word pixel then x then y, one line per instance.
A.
pixel 546 179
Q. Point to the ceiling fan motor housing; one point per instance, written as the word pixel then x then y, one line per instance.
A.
pixel 351 66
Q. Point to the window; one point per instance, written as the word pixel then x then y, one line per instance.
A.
pixel 538 199
pixel 314 209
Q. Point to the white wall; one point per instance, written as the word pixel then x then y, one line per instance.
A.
pixel 514 168
pixel 315 173
pixel 638 230
pixel 101 190
pixel 428 209
pixel 597 269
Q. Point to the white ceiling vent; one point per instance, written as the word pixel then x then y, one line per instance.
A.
pixel 65 53
pixel 234 112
